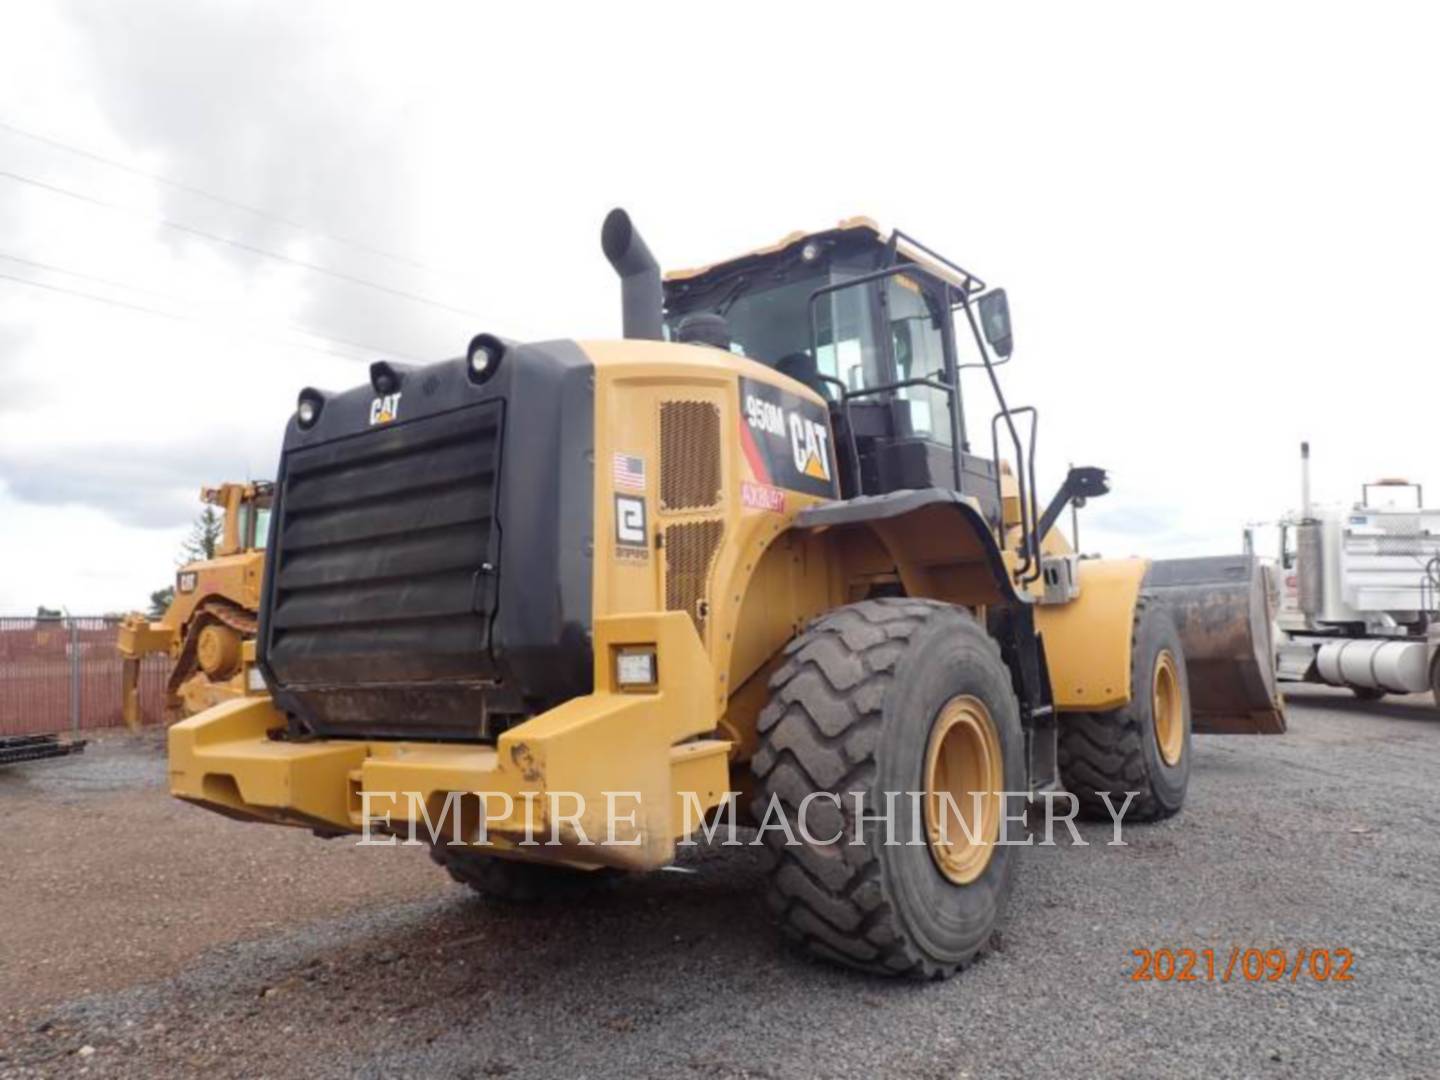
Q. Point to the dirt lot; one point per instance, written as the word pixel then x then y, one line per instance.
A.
pixel 144 937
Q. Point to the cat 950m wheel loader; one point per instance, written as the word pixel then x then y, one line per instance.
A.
pixel 578 599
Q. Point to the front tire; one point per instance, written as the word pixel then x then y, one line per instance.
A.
pixel 891 695
pixel 1143 746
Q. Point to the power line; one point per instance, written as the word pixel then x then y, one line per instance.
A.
pixel 190 230
pixel 300 328
pixel 233 204
pixel 179 317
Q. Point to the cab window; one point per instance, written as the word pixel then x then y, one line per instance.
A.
pixel 262 528
pixel 769 321
pixel 919 348
pixel 847 348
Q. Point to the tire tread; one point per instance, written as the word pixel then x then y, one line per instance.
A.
pixel 1105 752
pixel 819 733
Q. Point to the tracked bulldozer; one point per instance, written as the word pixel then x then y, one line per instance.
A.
pixel 209 627
pixel 749 548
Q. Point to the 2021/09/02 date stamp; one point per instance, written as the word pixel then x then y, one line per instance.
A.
pixel 1242 964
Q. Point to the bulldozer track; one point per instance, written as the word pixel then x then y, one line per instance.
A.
pixel 18 748
pixel 223 612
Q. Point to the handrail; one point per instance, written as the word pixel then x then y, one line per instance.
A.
pixel 1030 568
pixel 976 285
pixel 847 394
pixel 1035 537
pixel 1006 412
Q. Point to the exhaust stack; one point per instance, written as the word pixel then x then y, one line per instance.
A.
pixel 1305 508
pixel 641 297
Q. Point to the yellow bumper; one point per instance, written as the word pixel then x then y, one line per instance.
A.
pixel 612 778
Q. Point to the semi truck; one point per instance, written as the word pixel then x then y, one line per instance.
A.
pixel 1359 591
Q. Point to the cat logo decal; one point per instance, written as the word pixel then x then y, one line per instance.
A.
pixel 384 408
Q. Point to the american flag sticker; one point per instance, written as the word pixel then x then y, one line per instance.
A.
pixel 628 471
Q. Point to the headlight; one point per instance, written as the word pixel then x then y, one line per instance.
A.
pixel 307 409
pixel 384 377
pixel 635 667
pixel 484 356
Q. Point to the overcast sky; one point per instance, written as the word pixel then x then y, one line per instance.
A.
pixel 1217 226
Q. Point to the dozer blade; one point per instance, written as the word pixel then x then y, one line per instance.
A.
pixel 1221 606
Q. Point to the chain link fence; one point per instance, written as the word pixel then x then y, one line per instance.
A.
pixel 63 674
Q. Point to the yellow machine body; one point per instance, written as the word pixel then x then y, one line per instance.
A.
pixel 715 533
pixel 717 611
pixel 211 618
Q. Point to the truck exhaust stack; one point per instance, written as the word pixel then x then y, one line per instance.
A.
pixel 1305 481
pixel 641 297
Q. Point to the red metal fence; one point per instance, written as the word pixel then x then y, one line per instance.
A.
pixel 64 675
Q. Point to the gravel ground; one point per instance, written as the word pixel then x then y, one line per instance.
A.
pixel 144 937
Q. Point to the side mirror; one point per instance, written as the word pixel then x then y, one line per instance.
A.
pixel 995 322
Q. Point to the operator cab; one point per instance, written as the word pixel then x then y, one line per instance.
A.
pixel 246 508
pixel 867 321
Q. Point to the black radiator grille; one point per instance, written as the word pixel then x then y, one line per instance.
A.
pixel 384 575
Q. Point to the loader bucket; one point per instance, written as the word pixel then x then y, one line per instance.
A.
pixel 1221 606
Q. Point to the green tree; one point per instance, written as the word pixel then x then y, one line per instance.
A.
pixel 160 600
pixel 43 612
pixel 205 536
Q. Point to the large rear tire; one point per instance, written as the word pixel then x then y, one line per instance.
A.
pixel 1142 747
pixel 891 695
pixel 509 881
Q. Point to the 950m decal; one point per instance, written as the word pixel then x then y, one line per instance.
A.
pixel 786 439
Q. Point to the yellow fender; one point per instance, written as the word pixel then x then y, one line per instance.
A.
pixel 1088 640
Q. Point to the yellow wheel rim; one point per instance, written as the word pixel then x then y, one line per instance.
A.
pixel 1167 708
pixel 964 779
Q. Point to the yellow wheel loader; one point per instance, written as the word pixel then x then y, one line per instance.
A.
pixel 209 627
pixel 554 607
